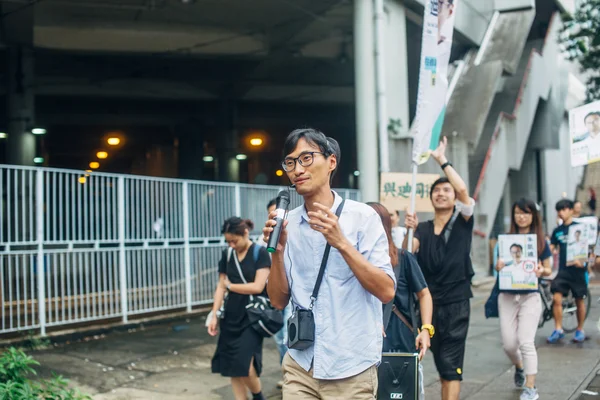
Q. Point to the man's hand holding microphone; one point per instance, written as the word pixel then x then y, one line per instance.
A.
pixel 275 232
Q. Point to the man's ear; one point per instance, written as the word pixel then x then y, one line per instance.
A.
pixel 332 162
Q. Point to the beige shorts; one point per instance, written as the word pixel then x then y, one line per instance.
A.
pixel 300 385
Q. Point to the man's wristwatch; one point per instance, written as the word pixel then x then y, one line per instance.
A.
pixel 428 328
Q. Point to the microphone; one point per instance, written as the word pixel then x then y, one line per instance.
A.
pixel 283 202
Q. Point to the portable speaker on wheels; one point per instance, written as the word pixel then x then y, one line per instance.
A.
pixel 398 376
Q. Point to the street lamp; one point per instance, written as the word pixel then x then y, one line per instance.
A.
pixel 113 141
pixel 94 165
pixel 102 155
pixel 256 142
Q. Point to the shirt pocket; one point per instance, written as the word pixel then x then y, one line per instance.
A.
pixel 337 267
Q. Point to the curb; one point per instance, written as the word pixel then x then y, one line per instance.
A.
pixel 63 336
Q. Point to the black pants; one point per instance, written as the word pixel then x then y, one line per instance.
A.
pixel 451 322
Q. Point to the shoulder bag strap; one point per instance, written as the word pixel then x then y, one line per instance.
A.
pixel 315 292
pixel 450 225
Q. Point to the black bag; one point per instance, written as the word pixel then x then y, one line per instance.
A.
pixel 398 373
pixel 491 305
pixel 264 318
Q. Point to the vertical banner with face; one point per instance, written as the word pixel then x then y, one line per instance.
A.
pixel 438 27
pixel 584 127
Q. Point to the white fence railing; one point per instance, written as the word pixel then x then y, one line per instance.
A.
pixel 77 247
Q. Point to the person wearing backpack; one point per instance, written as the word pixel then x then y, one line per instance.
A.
pixel 400 332
pixel 239 348
pixel 519 310
pixel 442 247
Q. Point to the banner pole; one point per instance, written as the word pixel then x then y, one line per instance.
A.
pixel 413 199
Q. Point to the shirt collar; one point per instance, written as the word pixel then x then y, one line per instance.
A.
pixel 337 200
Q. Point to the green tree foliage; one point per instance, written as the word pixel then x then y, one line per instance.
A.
pixel 580 39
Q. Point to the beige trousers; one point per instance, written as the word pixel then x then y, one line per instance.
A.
pixel 300 385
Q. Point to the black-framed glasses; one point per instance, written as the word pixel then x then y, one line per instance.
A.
pixel 304 159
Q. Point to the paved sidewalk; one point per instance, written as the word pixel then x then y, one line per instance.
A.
pixel 172 361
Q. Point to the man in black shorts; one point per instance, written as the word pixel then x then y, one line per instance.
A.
pixel 571 274
pixel 443 248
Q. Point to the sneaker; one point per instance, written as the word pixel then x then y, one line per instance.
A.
pixel 530 394
pixel 579 336
pixel 556 336
pixel 519 377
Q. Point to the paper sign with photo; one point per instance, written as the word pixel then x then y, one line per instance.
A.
pixel 591 224
pixel 584 127
pixel 519 253
pixel 577 246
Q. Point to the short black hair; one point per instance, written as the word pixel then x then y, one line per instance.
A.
pixel 516 245
pixel 439 181
pixel 563 204
pixel 271 203
pixel 327 145
pixel 596 113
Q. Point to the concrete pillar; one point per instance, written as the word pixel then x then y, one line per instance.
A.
pixel 228 143
pixel 18 37
pixel 190 151
pixel 366 121
pixel 397 84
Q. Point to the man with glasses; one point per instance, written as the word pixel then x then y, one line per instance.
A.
pixel 342 361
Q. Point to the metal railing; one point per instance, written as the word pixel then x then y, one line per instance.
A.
pixel 78 247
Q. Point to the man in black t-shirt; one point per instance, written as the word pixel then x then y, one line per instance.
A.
pixel 443 248
pixel 571 274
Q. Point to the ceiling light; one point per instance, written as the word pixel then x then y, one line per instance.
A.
pixel 102 155
pixel 38 131
pixel 38 160
pixel 256 141
pixel 208 159
pixel 94 165
pixel 279 172
pixel 3 135
pixel 241 157
pixel 113 141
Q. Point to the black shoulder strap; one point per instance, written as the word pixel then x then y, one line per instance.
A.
pixel 450 225
pixel 315 292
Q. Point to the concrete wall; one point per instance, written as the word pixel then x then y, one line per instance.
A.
pixel 558 176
